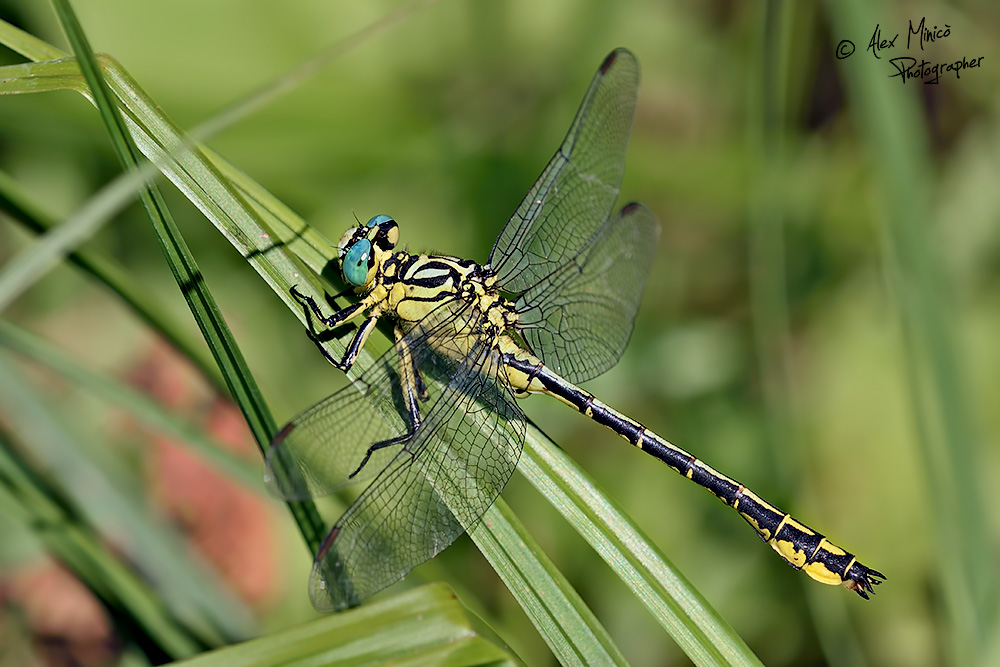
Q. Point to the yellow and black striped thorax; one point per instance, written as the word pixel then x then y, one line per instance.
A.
pixel 409 286
pixel 417 284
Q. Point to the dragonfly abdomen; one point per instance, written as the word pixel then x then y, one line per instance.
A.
pixel 800 546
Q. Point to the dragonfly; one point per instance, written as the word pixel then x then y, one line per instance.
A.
pixel 433 426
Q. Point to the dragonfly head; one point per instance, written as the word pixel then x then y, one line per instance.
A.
pixel 362 249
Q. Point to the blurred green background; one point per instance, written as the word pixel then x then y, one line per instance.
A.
pixel 751 148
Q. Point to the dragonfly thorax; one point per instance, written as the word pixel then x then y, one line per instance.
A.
pixel 409 286
pixel 417 284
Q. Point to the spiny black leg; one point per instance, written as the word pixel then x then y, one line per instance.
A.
pixel 312 308
pixel 357 342
pixel 309 305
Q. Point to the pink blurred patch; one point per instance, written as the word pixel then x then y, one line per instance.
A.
pixel 68 625
pixel 232 526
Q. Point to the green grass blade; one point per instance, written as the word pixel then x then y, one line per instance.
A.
pixel 424 626
pixel 697 628
pixel 564 621
pixel 28 45
pixel 890 118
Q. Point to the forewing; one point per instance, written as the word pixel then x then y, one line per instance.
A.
pixel 577 190
pixel 579 318
pixel 436 487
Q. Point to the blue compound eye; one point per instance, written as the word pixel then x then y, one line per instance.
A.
pixel 377 220
pixel 356 262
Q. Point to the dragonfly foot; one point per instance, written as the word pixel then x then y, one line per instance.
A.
pixel 377 446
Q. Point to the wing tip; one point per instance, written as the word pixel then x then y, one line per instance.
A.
pixel 610 59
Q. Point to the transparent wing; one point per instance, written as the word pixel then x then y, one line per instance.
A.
pixel 433 484
pixel 579 318
pixel 317 452
pixel 576 191
pixel 430 494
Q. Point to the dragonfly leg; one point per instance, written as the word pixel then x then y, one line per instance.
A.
pixel 340 315
pixel 311 310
